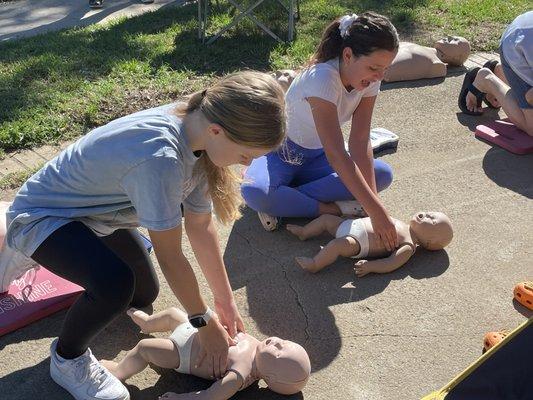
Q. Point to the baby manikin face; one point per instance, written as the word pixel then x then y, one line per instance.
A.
pixel 426 218
pixel 453 50
pixel 285 78
pixel 284 365
pixel 273 347
pixel 433 229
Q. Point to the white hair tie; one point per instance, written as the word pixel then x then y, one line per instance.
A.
pixel 345 22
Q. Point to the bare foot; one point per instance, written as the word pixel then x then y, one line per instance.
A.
pixel 362 267
pixel 139 317
pixel 529 96
pixel 306 263
pixel 297 231
pixel 480 82
pixel 493 100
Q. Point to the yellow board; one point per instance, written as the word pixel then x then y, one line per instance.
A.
pixel 442 393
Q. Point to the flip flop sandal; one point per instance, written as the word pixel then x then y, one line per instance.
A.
pixel 523 293
pixel 491 64
pixel 491 339
pixel 468 86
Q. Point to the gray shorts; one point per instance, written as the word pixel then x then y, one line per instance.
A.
pixel 518 86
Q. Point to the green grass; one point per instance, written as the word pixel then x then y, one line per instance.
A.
pixel 60 85
pixel 14 180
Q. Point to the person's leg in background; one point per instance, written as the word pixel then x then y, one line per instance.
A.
pixel 511 94
pixel 324 185
pixel 267 186
pixel 277 188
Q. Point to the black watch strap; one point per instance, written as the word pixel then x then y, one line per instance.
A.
pixel 201 320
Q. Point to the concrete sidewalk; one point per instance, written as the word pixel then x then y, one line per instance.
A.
pixel 23 18
pixel 395 336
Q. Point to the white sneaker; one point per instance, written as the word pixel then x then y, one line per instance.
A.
pixel 85 378
pixel 269 223
pixel 382 139
pixel 351 207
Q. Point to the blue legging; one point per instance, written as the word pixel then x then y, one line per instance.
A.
pixel 288 189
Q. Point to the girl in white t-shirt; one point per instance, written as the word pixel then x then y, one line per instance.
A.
pixel 314 174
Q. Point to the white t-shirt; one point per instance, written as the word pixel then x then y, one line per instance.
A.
pixel 517 46
pixel 323 81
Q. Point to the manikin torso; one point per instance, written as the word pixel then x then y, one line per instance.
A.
pixel 415 62
pixel 240 358
pixel 376 249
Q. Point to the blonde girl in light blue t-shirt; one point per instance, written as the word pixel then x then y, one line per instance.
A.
pixel 77 217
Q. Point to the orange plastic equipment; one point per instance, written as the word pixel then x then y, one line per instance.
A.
pixel 491 339
pixel 523 293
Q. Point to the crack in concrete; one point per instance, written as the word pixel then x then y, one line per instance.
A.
pixel 285 274
pixel 379 335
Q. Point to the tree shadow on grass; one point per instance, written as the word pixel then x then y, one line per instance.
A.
pixel 402 13
pixel 75 14
pixel 73 61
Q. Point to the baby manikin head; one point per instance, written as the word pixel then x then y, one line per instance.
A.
pixel 283 365
pixel 453 50
pixel 285 77
pixel 432 229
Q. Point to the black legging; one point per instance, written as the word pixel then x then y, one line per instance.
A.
pixel 115 271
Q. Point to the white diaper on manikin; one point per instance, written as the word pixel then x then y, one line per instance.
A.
pixel 355 228
pixel 183 336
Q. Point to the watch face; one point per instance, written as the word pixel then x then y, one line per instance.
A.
pixel 198 322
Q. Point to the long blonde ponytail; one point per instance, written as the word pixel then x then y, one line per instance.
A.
pixel 250 106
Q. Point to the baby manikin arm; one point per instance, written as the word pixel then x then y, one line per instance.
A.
pixel 225 388
pixel 398 258
pixel 222 389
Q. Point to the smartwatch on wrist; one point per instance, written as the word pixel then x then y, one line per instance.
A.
pixel 200 320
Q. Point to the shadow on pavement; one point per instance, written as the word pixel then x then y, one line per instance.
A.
pixel 522 310
pixel 418 83
pixel 472 121
pixel 288 302
pixel 509 170
pixel 171 381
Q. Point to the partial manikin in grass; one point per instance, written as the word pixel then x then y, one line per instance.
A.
pixel 356 238
pixel 414 61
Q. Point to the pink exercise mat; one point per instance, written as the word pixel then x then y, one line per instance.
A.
pixel 505 134
pixel 37 294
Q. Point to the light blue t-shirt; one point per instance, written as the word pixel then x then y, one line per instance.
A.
pixel 134 171
pixel 517 46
